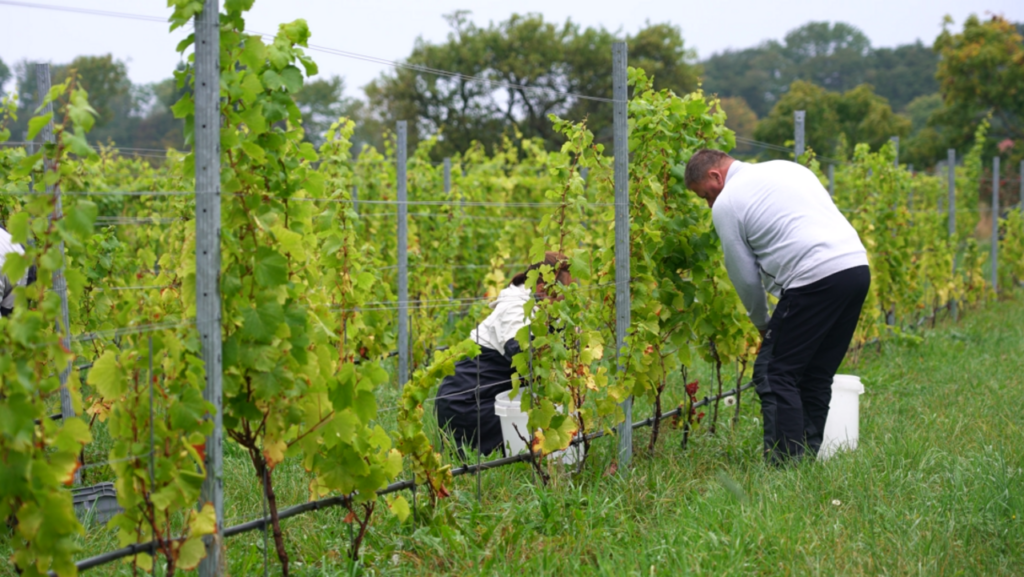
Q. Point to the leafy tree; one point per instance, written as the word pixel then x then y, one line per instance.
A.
pixel 981 72
pixel 5 75
pixel 515 73
pixel 117 102
pixel 830 55
pixel 759 75
pixel 867 117
pixel 322 102
pixel 903 73
pixel 822 124
pixel 106 80
pixel 927 142
pixel 836 56
pixel 856 116
pixel 158 128
pixel 740 119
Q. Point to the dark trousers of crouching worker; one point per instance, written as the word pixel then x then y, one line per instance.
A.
pixel 807 338
pixel 456 404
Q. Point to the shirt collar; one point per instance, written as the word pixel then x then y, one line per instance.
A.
pixel 734 169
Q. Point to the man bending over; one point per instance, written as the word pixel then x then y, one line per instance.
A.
pixel 782 234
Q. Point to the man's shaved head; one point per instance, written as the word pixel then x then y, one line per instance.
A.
pixel 700 163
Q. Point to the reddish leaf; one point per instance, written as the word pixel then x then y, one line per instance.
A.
pixel 691 388
pixel 70 479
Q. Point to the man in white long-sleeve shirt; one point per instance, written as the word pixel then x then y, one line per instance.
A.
pixel 781 233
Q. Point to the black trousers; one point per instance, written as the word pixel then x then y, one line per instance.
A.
pixel 805 343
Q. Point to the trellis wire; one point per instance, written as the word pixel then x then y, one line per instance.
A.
pixel 341 500
pixel 207 349
pixel 130 330
pixel 332 51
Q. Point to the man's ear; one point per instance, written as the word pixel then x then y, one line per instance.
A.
pixel 720 174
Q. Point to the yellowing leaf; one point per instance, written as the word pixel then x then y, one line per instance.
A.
pixel 106 375
pixel 400 508
pixel 144 561
pixel 204 521
pixel 274 452
pixel 393 466
pixel 73 435
pixel 290 242
pixel 191 553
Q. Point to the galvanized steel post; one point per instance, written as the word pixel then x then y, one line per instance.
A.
pixel 832 180
pixel 951 184
pixel 951 207
pixel 798 133
pixel 995 224
pixel 208 305
pixel 620 127
pixel 896 144
pixel 447 197
pixel 403 260
pixel 60 285
pixel 447 176
pixel 910 194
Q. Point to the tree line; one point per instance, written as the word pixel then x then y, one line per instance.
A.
pixel 513 74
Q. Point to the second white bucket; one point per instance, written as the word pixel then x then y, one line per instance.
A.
pixel 842 427
pixel 514 423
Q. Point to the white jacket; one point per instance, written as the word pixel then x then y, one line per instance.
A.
pixel 780 230
pixel 506 320
pixel 7 246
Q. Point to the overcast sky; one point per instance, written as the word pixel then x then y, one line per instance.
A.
pixel 388 28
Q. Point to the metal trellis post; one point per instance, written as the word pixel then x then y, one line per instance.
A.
pixel 832 180
pixel 403 260
pixel 447 196
pixel 951 207
pixel 995 224
pixel 798 133
pixel 910 195
pixel 622 294
pixel 355 198
pixel 60 285
pixel 447 176
pixel 1020 197
pixel 208 306
pixel 896 145
pixel 938 170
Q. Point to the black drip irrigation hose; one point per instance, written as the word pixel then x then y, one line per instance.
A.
pixel 340 500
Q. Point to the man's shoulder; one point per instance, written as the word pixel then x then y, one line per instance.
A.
pixel 7 244
pixel 755 169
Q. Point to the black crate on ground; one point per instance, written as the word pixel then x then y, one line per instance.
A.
pixel 97 503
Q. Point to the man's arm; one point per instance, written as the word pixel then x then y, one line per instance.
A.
pixel 741 265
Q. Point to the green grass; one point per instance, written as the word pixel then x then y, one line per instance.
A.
pixel 936 488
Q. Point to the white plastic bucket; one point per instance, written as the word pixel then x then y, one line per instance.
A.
pixel 513 419
pixel 842 427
